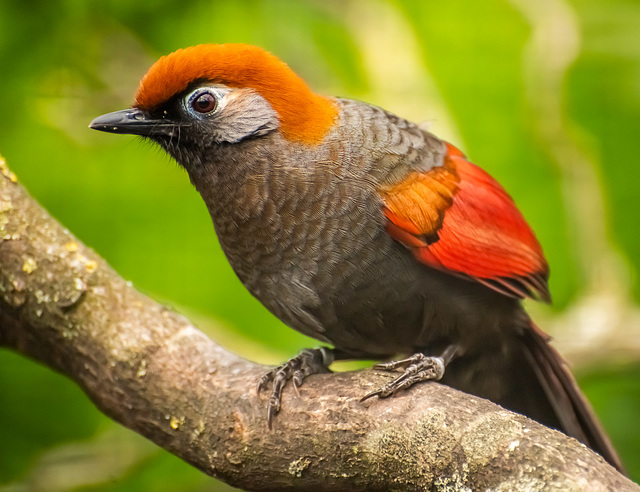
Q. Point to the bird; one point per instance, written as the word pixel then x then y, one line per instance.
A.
pixel 363 230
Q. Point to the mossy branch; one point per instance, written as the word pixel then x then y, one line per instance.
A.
pixel 151 370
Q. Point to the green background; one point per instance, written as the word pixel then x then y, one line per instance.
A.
pixel 545 95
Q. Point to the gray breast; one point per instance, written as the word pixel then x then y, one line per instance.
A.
pixel 303 227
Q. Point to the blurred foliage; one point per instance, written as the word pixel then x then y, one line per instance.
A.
pixel 513 84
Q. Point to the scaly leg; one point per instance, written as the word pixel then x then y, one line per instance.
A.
pixel 306 363
pixel 417 368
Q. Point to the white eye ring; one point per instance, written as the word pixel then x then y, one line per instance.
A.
pixel 205 101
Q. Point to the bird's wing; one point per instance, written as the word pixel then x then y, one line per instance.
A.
pixel 458 219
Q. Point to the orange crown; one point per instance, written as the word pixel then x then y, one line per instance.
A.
pixel 304 116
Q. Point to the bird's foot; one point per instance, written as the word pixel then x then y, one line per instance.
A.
pixel 306 363
pixel 417 368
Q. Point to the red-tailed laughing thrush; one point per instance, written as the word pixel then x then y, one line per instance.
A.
pixel 363 230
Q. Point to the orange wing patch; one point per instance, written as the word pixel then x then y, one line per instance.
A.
pixel 304 116
pixel 458 219
pixel 418 203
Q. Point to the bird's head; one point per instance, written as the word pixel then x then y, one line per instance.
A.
pixel 206 95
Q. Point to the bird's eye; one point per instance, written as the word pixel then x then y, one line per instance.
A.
pixel 204 103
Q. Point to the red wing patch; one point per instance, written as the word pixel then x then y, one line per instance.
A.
pixel 458 219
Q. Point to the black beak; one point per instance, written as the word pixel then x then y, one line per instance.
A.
pixel 134 122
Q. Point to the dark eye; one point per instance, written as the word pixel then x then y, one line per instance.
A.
pixel 204 103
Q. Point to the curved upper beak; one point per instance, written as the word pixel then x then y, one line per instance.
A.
pixel 134 122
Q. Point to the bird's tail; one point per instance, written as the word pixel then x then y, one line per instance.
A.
pixel 567 408
pixel 528 376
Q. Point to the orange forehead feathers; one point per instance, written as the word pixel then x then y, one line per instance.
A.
pixel 304 116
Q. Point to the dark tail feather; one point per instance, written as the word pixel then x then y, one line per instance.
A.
pixel 571 410
pixel 526 375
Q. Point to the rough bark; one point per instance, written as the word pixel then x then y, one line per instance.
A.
pixel 151 370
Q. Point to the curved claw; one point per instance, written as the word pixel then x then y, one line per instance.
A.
pixel 264 381
pixel 272 409
pixel 306 363
pixel 370 395
pixel 296 382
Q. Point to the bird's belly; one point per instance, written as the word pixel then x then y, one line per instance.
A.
pixel 377 310
pixel 357 288
pixel 379 303
pixel 394 304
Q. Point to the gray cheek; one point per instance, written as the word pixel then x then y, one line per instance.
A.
pixel 248 115
pixel 247 126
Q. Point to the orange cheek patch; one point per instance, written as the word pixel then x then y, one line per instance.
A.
pixel 304 116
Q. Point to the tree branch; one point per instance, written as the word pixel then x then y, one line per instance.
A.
pixel 154 372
